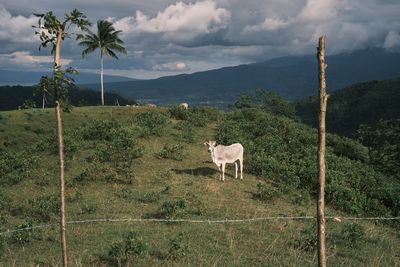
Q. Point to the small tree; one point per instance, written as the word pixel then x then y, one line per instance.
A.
pixel 107 41
pixel 52 32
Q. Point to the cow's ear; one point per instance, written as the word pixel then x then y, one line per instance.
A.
pixel 205 143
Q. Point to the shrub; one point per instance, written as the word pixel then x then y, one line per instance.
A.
pixel 177 247
pixel 15 166
pixel 171 209
pixel 132 244
pixel 43 208
pixel 151 123
pixel 172 151
pixel 187 132
pixel 352 234
pixel 4 201
pixel 266 192
pixel 308 240
pixel 99 130
pixel 178 112
pixel 88 208
pixel 23 234
pixel 149 197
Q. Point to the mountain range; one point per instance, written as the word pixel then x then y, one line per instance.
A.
pixel 292 77
pixel 16 77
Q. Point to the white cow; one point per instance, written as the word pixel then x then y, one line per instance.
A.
pixel 226 154
pixel 184 105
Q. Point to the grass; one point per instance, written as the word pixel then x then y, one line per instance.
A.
pixel 194 180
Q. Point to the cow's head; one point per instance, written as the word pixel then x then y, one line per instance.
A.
pixel 210 145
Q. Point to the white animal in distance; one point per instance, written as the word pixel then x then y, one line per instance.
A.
pixel 226 154
pixel 184 105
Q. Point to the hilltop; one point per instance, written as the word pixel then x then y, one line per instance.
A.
pixel 125 162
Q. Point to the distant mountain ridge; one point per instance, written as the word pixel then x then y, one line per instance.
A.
pixel 292 77
pixel 15 77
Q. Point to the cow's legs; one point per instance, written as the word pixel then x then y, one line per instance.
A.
pixel 220 171
pixel 236 170
pixel 241 168
pixel 223 171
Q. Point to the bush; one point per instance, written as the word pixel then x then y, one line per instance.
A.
pixel 308 240
pixel 23 233
pixel 171 209
pixel 266 192
pixel 132 244
pixel 15 166
pixel 149 197
pixel 43 208
pixel 178 112
pixel 99 130
pixel 352 234
pixel 177 247
pixel 187 132
pixel 151 123
pixel 172 151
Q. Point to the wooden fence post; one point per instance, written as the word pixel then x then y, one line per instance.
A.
pixel 323 98
pixel 62 186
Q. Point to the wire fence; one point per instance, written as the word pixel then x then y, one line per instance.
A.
pixel 206 221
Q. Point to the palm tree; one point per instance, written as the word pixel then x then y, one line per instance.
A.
pixel 106 40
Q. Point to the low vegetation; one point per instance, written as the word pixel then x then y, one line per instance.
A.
pixel 142 163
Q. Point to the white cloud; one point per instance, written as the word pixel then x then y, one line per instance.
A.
pixel 26 60
pixel 392 40
pixel 269 24
pixel 16 28
pixel 178 21
pixel 173 66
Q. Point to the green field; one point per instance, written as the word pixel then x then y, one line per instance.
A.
pixel 123 165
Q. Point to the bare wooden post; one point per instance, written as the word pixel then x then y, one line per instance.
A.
pixel 62 186
pixel 63 236
pixel 323 98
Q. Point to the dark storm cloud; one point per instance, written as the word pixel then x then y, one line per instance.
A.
pixel 167 37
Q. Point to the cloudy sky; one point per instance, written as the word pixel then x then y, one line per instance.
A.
pixel 166 37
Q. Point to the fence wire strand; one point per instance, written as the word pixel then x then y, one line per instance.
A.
pixel 207 221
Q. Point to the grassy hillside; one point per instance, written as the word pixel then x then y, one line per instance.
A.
pixel 348 108
pixel 151 163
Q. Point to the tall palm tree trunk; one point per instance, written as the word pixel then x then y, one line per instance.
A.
pixel 101 78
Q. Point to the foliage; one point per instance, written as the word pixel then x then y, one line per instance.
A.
pixel 177 247
pixel 284 151
pixel 43 208
pixel 28 104
pixel 267 101
pixel 197 116
pixel 348 108
pixel 172 151
pixel 382 140
pixel 149 197
pixel 308 240
pixel 12 96
pixel 352 234
pixel 151 123
pixel 132 244
pixel 266 192
pixel 106 40
pixel 23 234
pixel 171 209
pixel 15 166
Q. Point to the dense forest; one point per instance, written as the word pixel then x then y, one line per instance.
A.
pixel 348 108
pixel 13 97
